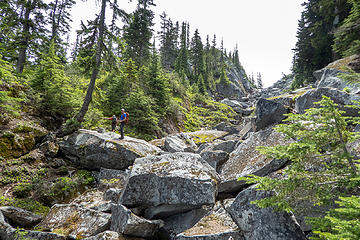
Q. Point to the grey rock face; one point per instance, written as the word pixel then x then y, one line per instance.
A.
pixel 93 150
pixel 218 224
pixel 84 222
pixel 267 113
pixel 20 217
pixel 215 158
pixel 262 223
pixel 307 100
pixel 125 222
pixel 226 146
pixel 247 160
pixel 180 142
pixel 329 77
pixel 170 184
pixel 229 91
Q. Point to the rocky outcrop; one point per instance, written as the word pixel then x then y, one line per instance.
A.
pixel 125 222
pixel 308 99
pixel 247 160
pixel 73 220
pixel 267 113
pixel 20 138
pixel 261 223
pixel 169 184
pixel 216 225
pixel 93 150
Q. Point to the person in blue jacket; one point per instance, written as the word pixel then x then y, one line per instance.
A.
pixel 123 119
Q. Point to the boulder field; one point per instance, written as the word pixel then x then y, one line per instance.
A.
pixel 183 186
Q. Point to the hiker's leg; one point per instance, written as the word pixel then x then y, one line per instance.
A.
pixel 113 126
pixel 122 130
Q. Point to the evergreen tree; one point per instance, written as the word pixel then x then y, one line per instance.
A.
pixel 182 60
pixel 58 95
pixel 197 57
pixel 59 20
pixel 259 81
pixel 138 33
pixel 321 169
pixel 157 85
pixel 347 36
pixel 23 30
pixel 313 49
pixel 168 42
pixel 339 223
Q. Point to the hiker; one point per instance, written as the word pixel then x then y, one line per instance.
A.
pixel 123 119
pixel 113 122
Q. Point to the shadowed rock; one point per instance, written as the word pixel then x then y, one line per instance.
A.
pixel 20 217
pixel 125 222
pixel 217 225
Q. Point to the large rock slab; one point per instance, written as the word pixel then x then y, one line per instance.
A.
pixel 247 160
pixel 217 225
pixel 262 223
pixel 71 219
pixel 341 98
pixel 110 235
pixel 20 217
pixel 94 150
pixel 267 113
pixel 180 142
pixel 169 184
pixel 204 136
pixel 125 222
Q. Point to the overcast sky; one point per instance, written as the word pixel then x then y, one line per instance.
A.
pixel 264 30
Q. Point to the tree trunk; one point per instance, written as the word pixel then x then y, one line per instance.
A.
pixel 80 116
pixel 25 38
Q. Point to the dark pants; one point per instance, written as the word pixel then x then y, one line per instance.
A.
pixel 122 130
pixel 113 126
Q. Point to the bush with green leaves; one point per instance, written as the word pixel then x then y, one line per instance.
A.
pixel 321 166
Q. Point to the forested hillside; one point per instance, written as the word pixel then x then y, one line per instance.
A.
pixel 165 80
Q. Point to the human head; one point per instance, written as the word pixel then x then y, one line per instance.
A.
pixel 122 110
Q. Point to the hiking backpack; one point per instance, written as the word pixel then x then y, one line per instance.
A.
pixel 126 120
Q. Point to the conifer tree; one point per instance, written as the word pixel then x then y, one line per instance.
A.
pixel 259 81
pixel 197 57
pixel 313 49
pixel 182 60
pixel 138 33
pixel 321 166
pixel 347 36
pixel 59 20
pixel 168 42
